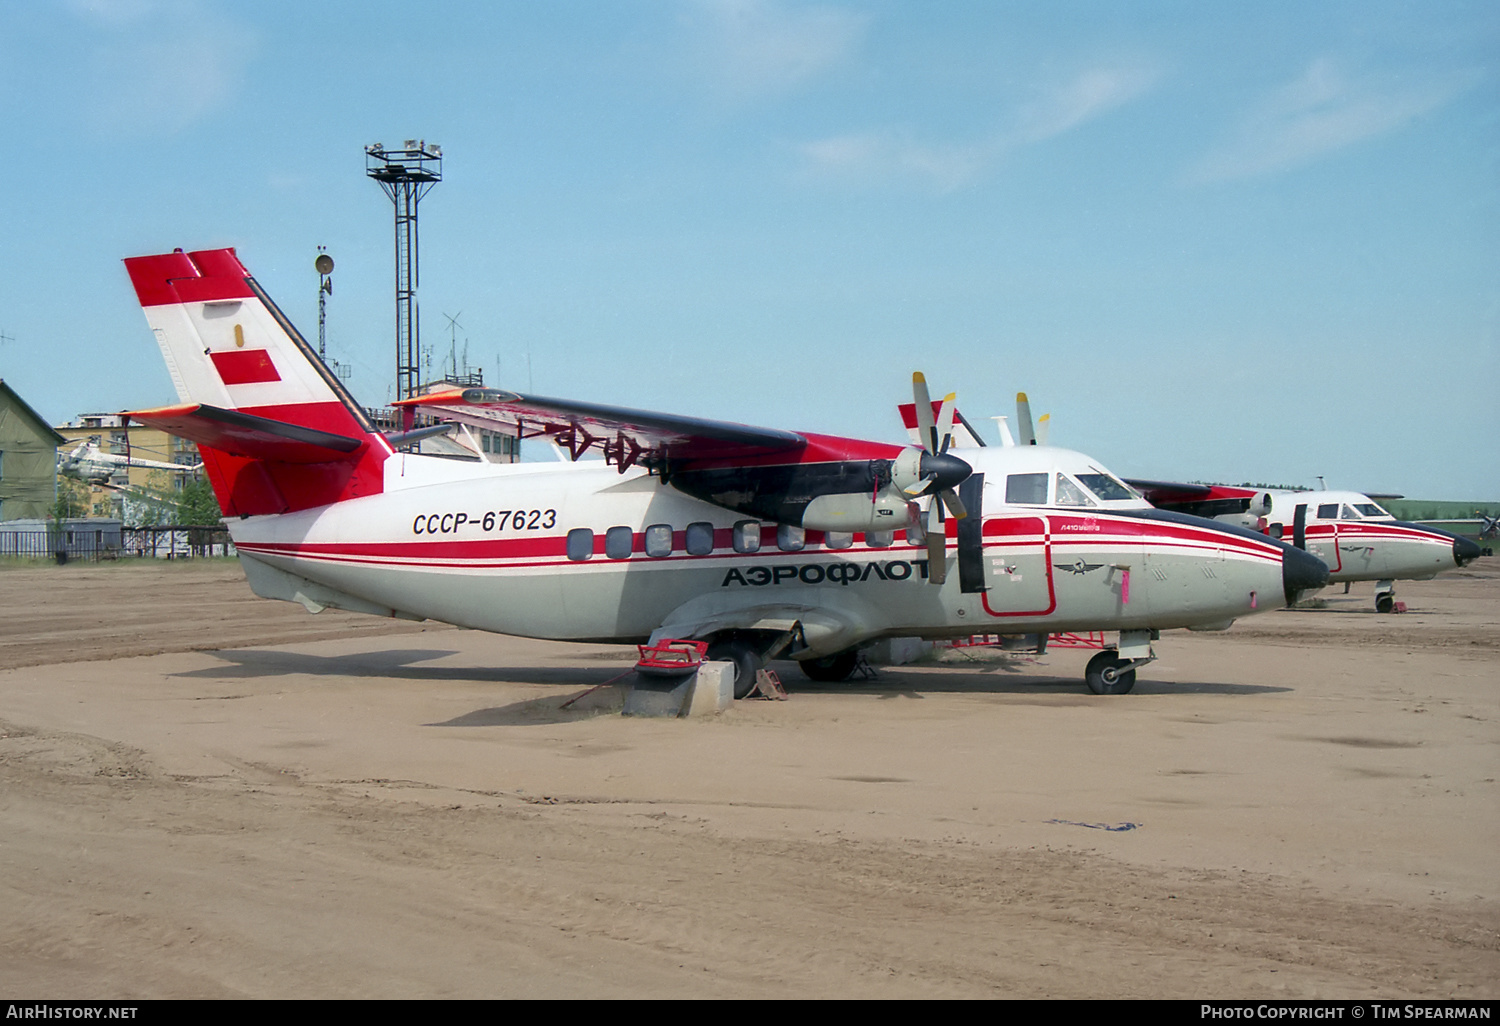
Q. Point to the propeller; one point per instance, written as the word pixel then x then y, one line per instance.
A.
pixel 1030 435
pixel 938 473
pixel 1023 419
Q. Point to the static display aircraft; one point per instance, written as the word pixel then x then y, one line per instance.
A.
pixel 87 462
pixel 761 542
pixel 1349 531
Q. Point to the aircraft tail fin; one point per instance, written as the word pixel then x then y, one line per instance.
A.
pixel 277 430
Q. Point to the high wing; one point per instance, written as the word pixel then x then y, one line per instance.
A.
pixel 624 437
pixel 1199 500
pixel 813 481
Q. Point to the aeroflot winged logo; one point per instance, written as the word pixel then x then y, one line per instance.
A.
pixel 1078 567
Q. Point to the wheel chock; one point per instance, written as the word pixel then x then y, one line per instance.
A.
pixel 768 685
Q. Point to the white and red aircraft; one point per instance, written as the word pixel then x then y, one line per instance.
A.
pixel 762 542
pixel 1349 531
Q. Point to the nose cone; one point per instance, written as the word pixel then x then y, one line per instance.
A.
pixel 1465 551
pixel 947 471
pixel 1301 572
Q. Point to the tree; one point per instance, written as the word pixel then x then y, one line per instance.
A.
pixel 197 506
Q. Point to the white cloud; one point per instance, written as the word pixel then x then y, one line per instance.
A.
pixel 752 47
pixel 895 154
pixel 1321 112
pixel 891 154
pixel 1082 98
pixel 154 68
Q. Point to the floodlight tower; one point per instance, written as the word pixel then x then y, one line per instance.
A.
pixel 324 266
pixel 406 175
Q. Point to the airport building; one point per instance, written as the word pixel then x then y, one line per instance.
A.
pixel 28 459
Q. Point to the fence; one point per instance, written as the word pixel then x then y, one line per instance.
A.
pixel 91 545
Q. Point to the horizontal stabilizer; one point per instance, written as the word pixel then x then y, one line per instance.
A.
pixel 243 434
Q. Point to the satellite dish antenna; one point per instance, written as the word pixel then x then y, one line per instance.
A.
pixel 324 264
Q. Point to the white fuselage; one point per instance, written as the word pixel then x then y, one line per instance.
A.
pixel 1358 539
pixel 504 548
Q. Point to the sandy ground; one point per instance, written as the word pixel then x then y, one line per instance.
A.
pixel 203 794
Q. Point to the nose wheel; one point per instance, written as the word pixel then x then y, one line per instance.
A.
pixel 1109 674
pixel 1385 596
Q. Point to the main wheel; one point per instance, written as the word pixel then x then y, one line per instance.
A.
pixel 1108 674
pixel 1385 602
pixel 746 660
pixel 832 668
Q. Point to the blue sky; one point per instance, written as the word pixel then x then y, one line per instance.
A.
pixel 1215 241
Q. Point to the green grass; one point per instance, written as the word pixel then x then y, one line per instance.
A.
pixel 35 562
pixel 1431 509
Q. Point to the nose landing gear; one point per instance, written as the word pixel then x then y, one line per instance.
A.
pixel 1112 672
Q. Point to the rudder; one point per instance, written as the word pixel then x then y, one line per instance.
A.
pixel 278 432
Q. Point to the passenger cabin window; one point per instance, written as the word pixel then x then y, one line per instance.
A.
pixel 838 539
pixel 659 540
pixel 618 541
pixel 700 538
pixel 879 539
pixel 1328 511
pixel 1026 489
pixel 746 536
pixel 790 539
pixel 580 543
pixel 1069 494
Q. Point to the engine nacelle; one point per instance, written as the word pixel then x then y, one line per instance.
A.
pixel 889 510
pixel 1251 520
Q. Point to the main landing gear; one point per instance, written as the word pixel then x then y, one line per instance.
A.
pixel 831 669
pixel 1112 672
pixel 746 657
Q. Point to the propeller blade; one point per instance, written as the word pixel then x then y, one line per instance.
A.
pixel 926 429
pixel 920 488
pixel 1042 423
pixel 955 505
pixel 945 421
pixel 1023 419
pixel 937 557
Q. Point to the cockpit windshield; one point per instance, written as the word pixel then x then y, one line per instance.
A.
pixel 1069 494
pixel 1106 487
pixel 1369 509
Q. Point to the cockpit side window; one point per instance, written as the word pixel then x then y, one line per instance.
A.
pixel 1345 513
pixel 1069 494
pixel 1328 511
pixel 1106 487
pixel 1026 488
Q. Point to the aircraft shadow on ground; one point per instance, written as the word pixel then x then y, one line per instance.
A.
pixel 893 683
pixel 575 682
pixel 392 664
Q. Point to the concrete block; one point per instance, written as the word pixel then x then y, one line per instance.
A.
pixel 713 690
pixel 652 696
